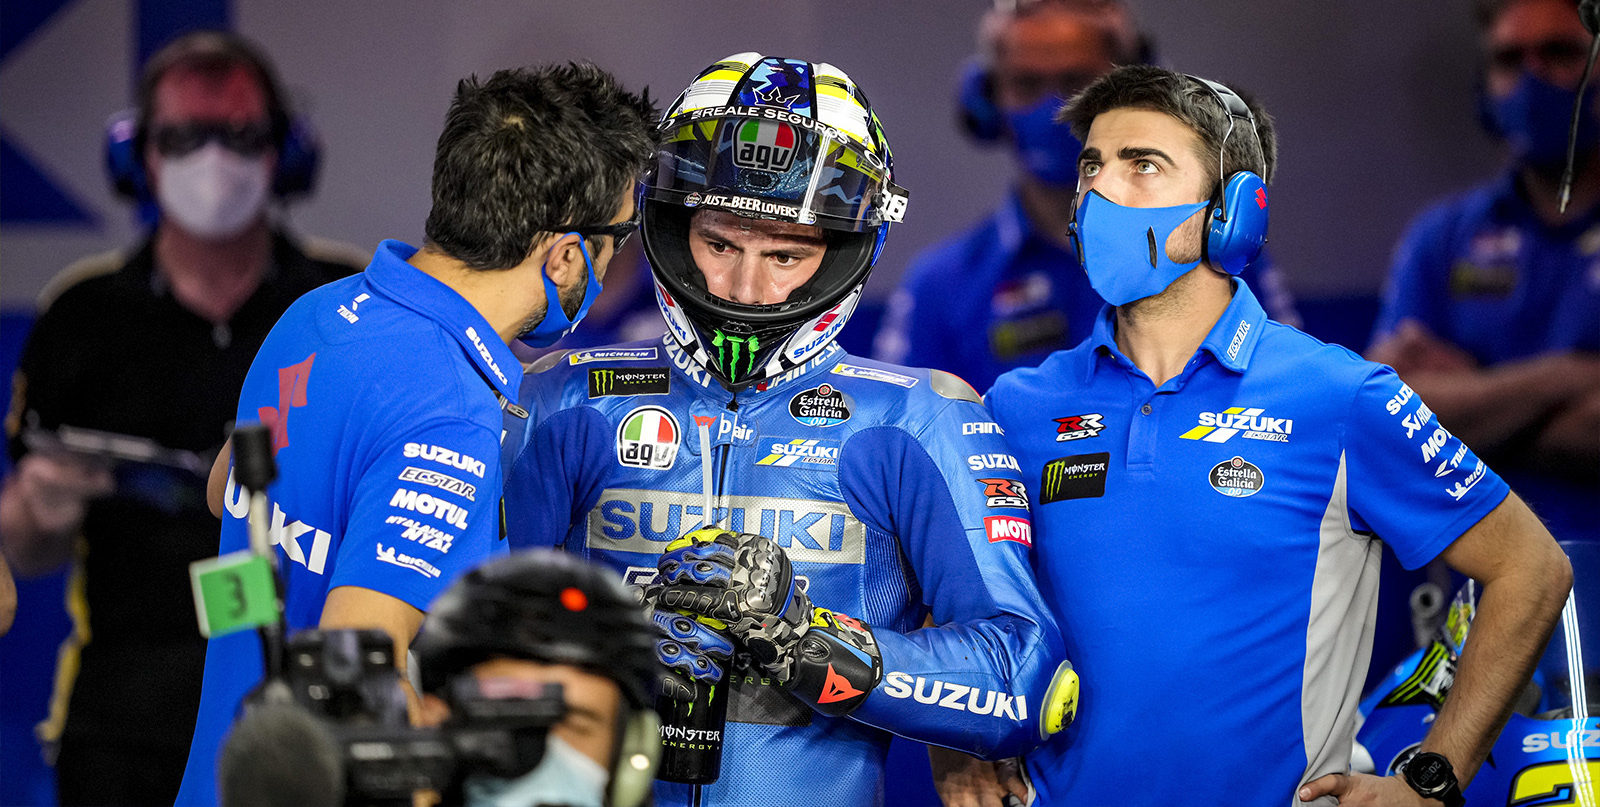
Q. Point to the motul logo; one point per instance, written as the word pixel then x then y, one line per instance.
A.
pixel 1007 528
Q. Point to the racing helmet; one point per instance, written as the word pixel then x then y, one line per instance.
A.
pixel 779 139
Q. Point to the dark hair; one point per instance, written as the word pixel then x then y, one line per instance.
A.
pixel 213 54
pixel 531 151
pixel 1190 102
pixel 1121 35
pixel 1485 12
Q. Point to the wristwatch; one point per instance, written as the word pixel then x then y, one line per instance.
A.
pixel 1432 777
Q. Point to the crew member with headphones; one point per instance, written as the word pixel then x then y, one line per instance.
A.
pixel 154 343
pixel 542 616
pixel 1028 294
pixel 1211 487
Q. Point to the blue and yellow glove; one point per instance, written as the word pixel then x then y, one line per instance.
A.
pixel 745 583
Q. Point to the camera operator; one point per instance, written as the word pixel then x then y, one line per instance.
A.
pixel 541 617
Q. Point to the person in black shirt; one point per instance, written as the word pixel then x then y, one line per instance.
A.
pixel 125 391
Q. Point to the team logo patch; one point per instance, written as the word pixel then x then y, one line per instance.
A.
pixel 1081 476
pixel 874 374
pixel 765 145
pixel 1220 427
pixel 612 354
pixel 643 381
pixel 1008 528
pixel 784 453
pixel 1004 493
pixel 823 405
pixel 648 438
pixel 1079 427
pixel 1237 478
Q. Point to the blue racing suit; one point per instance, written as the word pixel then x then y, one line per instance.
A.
pixel 895 497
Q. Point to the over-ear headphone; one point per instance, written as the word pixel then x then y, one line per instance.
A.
pixel 298 150
pixel 1238 216
pixel 638 750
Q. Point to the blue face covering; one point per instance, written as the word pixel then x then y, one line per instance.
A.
pixel 555 323
pixel 566 777
pixel 1123 249
pixel 1046 149
pixel 1534 119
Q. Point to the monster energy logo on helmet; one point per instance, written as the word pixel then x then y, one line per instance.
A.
pixel 746 346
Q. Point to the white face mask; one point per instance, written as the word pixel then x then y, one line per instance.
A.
pixel 566 776
pixel 212 192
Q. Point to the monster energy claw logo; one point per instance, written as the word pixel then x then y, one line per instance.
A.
pixel 749 345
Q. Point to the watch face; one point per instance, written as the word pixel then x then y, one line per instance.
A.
pixel 1428 771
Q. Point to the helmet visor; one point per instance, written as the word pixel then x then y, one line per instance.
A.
pixel 767 162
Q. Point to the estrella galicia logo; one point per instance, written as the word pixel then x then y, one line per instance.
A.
pixel 648 438
pixel 1004 493
pixel 1080 476
pixel 823 405
pixel 1078 427
pixel 1237 477
pixel 644 381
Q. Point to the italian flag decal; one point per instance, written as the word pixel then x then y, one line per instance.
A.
pixel 648 438
pixel 764 145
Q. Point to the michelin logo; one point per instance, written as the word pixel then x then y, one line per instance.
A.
pixel 418 565
pixel 956 697
pixel 612 354
pixel 874 374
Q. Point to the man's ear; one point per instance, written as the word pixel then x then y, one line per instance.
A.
pixel 564 263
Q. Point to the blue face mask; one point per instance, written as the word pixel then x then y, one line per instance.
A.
pixel 1046 149
pixel 565 776
pixel 1534 120
pixel 1123 249
pixel 555 323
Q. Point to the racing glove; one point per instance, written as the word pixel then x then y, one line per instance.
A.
pixel 745 582
pixel 694 650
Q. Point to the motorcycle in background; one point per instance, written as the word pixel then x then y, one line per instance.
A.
pixel 1549 752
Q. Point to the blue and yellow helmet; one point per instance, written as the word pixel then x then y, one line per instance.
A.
pixel 780 139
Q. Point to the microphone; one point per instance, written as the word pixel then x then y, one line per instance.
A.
pixel 279 755
pixel 1589 15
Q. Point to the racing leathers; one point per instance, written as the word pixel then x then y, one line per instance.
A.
pixel 894 496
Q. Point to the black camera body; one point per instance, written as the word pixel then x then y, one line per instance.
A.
pixel 346 680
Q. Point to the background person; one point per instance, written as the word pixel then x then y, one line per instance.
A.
pixel 1492 310
pixel 211 145
pixel 1024 294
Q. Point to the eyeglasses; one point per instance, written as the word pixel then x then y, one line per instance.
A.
pixel 1557 53
pixel 619 232
pixel 176 140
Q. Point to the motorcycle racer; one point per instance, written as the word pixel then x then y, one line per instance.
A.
pixel 887 492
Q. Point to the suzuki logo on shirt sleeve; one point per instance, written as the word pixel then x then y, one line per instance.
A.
pixel 955 697
pixel 483 350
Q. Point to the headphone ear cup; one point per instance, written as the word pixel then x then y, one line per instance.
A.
pixel 124 163
pixel 1238 224
pixel 641 741
pixel 298 157
pixel 980 117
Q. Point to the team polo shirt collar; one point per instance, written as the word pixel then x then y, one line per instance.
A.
pixel 391 275
pixel 1231 341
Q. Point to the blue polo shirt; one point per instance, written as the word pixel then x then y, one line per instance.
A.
pixel 1211 548
pixel 1004 295
pixel 383 391
pixel 1484 272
